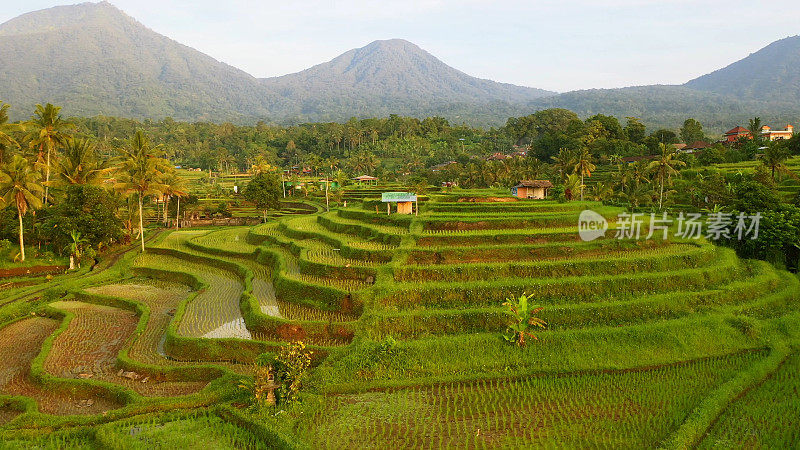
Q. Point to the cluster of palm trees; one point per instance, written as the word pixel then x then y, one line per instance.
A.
pixel 45 152
pixel 636 180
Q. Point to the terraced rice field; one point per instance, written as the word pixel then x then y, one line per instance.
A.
pixel 632 409
pixel 162 300
pixel 88 348
pixel 214 312
pixel 20 343
pixel 655 343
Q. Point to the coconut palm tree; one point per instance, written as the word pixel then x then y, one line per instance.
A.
pixel 6 141
pixel 622 177
pixel 774 158
pixel 173 186
pixel 754 127
pixel 664 168
pixel 572 183
pixel 20 184
pixel 47 131
pixel 141 171
pixel 80 164
pixel 563 162
pixel 584 166
pixel 639 173
pixel 364 162
pixel 601 191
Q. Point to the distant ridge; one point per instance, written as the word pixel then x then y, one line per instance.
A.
pixel 92 58
pixel 772 73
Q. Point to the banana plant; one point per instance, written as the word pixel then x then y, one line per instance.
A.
pixel 75 248
pixel 523 319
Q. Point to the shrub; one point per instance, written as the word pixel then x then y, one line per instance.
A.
pixel 523 319
pixel 292 365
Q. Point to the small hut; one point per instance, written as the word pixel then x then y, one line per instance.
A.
pixel 366 179
pixel 536 189
pixel 405 202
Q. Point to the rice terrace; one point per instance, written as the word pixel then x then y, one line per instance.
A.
pixel 384 252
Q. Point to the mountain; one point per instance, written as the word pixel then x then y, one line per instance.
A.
pixel 772 74
pixel 764 84
pixel 93 59
pixel 385 77
pixel 667 106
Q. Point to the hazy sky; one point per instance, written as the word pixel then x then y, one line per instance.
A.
pixel 557 45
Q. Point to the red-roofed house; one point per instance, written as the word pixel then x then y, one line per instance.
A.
pixel 734 134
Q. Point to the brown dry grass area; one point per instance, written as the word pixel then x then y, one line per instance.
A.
pixel 7 415
pixel 20 342
pixel 89 348
pixel 162 299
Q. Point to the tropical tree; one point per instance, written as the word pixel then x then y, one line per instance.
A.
pixel 261 165
pixel 754 127
pixel 601 191
pixel 563 162
pixel 75 248
pixel 664 168
pixel 141 171
pixel 6 141
pixel 364 162
pixel 264 191
pixel 47 131
pixel 20 185
pixel 572 184
pixel 640 171
pixel 622 177
pixel 80 164
pixel 584 166
pixel 774 159
pixel 173 186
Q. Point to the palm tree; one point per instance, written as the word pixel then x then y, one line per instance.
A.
pixel 48 131
pixel 774 158
pixel 584 166
pixel 563 161
pixel 639 173
pixel 601 191
pixel 141 171
pixel 622 177
pixel 364 162
pixel 755 128
pixel 173 186
pixel 21 185
pixel 6 141
pixel 639 195
pixel 664 168
pixel 80 164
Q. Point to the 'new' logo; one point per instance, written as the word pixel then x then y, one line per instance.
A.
pixel 591 225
